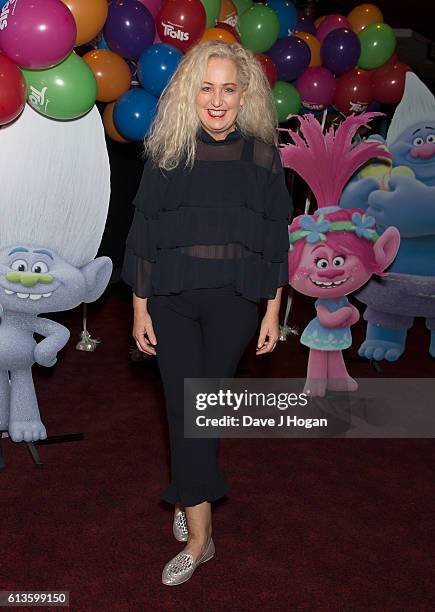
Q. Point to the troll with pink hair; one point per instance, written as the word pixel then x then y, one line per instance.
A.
pixel 334 251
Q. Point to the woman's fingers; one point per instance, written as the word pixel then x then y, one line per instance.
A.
pixel 149 330
pixel 143 345
pixel 268 345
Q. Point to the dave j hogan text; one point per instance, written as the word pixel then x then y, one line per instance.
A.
pixel 248 421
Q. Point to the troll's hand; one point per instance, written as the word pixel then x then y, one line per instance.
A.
pixel 409 206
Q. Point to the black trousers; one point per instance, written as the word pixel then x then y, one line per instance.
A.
pixel 200 333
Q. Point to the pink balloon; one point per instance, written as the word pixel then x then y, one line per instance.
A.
pixel 153 6
pixel 316 87
pixel 37 34
pixel 332 22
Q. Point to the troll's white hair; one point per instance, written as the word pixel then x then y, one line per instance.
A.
pixel 55 184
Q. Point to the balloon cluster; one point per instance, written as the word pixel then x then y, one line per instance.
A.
pixel 38 61
pixel 347 62
pixel 63 55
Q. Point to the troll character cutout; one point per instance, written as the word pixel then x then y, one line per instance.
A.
pixel 54 203
pixel 405 198
pixel 334 251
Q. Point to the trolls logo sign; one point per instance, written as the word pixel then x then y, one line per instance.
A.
pixel 174 31
pixel 10 5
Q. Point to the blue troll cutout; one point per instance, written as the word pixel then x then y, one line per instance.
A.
pixel 53 217
pixel 408 203
pixel 34 281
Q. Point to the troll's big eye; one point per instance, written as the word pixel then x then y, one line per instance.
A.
pixel 430 139
pixel 417 142
pixel 322 263
pixel 337 262
pixel 40 267
pixel 19 265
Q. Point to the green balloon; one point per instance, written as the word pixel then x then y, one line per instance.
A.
pixel 212 8
pixel 287 100
pixel 66 91
pixel 259 28
pixel 378 42
pixel 242 5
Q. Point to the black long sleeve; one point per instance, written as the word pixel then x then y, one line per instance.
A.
pixel 223 222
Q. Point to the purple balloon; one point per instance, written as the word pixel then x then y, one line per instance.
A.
pixel 316 88
pixel 340 51
pixel 129 28
pixel 305 23
pixel 332 22
pixel 291 56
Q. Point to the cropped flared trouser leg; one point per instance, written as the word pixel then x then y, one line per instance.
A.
pixel 200 333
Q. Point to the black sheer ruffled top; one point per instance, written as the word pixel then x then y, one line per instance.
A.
pixel 223 222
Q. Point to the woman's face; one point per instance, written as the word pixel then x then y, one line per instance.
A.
pixel 219 98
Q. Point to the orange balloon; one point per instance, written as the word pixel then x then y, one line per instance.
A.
pixel 363 15
pixel 109 126
pixel 111 71
pixel 228 13
pixel 314 44
pixel 218 34
pixel 319 20
pixel 90 16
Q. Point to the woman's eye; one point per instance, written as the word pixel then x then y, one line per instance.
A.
pixel 229 90
pixel 206 88
pixel 40 267
pixel 322 263
pixel 337 262
pixel 19 265
pixel 430 139
pixel 417 142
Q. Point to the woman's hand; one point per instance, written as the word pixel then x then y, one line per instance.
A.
pixel 143 331
pixel 269 334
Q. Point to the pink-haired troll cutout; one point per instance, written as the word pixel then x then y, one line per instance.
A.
pixel 334 251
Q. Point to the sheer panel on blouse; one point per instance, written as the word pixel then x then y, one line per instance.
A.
pixel 215 251
pixel 228 152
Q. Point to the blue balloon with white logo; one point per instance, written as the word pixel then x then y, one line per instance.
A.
pixel 287 15
pixel 134 112
pixel 156 66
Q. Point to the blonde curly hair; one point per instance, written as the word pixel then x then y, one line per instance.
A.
pixel 173 133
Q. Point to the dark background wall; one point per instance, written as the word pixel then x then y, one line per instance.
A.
pixel 127 160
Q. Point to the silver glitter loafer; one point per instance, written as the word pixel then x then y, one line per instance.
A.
pixel 179 527
pixel 180 568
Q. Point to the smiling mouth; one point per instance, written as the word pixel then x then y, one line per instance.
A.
pixel 328 284
pixel 216 114
pixel 32 296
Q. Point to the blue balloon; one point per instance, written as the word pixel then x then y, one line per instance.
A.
pixel 134 112
pixel 287 15
pixel 156 66
pixel 101 43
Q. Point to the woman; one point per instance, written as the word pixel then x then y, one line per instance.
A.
pixel 208 241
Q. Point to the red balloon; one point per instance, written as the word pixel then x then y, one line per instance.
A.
pixel 229 28
pixel 269 68
pixel 181 23
pixel 12 90
pixel 354 91
pixel 388 82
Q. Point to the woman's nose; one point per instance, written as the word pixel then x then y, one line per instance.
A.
pixel 330 273
pixel 217 98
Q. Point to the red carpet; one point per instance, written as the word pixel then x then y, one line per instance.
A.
pixel 315 525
